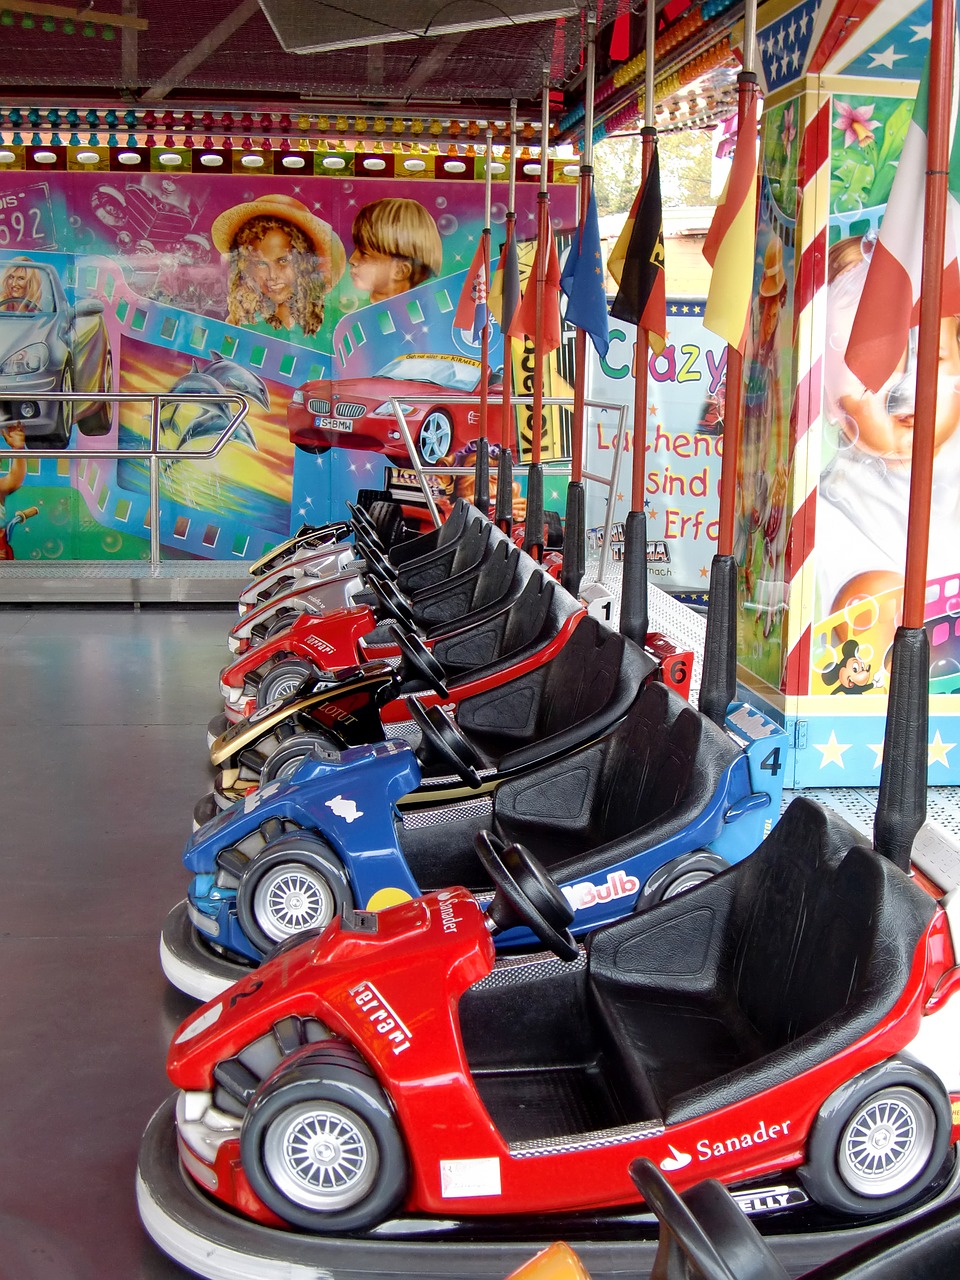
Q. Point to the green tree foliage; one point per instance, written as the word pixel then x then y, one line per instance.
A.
pixel 685 164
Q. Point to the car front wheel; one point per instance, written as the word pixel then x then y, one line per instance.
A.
pixel 59 437
pixel 99 421
pixel 296 883
pixel 320 1145
pixel 283 679
pixel 436 437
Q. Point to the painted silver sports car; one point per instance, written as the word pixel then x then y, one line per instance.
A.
pixel 50 344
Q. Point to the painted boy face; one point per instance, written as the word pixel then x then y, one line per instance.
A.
pixel 269 265
pixel 873 421
pixel 379 274
pixel 868 423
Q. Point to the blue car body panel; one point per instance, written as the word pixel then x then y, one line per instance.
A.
pixel 351 801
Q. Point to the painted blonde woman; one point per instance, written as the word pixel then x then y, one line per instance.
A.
pixel 283 263
pixel 20 288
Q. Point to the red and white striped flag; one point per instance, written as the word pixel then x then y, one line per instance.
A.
pixel 890 303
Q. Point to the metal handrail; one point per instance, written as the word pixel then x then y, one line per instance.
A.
pixel 155 452
pixel 422 472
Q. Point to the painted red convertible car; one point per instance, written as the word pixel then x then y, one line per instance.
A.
pixel 356 413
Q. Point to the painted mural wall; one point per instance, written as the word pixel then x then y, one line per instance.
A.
pixel 272 285
pixel 683 443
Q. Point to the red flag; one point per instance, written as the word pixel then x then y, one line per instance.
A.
pixel 525 319
pixel 471 314
pixel 890 303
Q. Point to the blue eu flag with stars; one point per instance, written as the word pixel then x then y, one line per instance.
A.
pixel 582 282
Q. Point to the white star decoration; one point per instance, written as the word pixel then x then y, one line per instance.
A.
pixel 921 33
pixel 877 749
pixel 886 59
pixel 832 750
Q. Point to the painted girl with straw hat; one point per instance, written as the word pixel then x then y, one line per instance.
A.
pixel 283 262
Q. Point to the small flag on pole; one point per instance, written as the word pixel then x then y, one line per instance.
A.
pixel 731 240
pixel 524 322
pixel 582 281
pixel 637 262
pixel 890 302
pixel 471 313
pixel 505 288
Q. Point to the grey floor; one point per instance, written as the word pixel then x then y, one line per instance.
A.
pixel 102 722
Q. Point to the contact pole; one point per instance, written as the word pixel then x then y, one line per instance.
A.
pixel 504 507
pixel 533 539
pixel 635 605
pixel 482 485
pixel 574 533
pixel 902 801
pixel 718 685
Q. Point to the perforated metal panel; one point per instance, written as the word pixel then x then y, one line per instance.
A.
pixel 858 805
pixel 480 808
pixel 681 624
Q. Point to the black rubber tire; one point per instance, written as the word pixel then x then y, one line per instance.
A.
pixel 387 518
pixel 283 678
pixel 915 1103
pixel 286 758
pixel 59 437
pixel 333 1081
pixel 99 422
pixel 279 623
pixel 679 875
pixel 307 858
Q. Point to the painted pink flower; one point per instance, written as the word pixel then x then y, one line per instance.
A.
pixel 856 123
pixel 789 126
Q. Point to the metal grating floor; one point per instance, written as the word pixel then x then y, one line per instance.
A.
pixel 684 625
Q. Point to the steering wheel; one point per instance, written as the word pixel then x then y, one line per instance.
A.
pixel 375 559
pixel 418 660
pixel 360 518
pixel 391 600
pixel 445 741
pixel 525 894
pixel 703 1235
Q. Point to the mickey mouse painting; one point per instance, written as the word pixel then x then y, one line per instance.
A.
pixel 852 673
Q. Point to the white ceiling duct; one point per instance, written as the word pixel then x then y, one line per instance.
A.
pixel 316 27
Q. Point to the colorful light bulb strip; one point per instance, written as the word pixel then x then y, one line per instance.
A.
pixel 66 20
pixel 679 71
pixel 264 130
